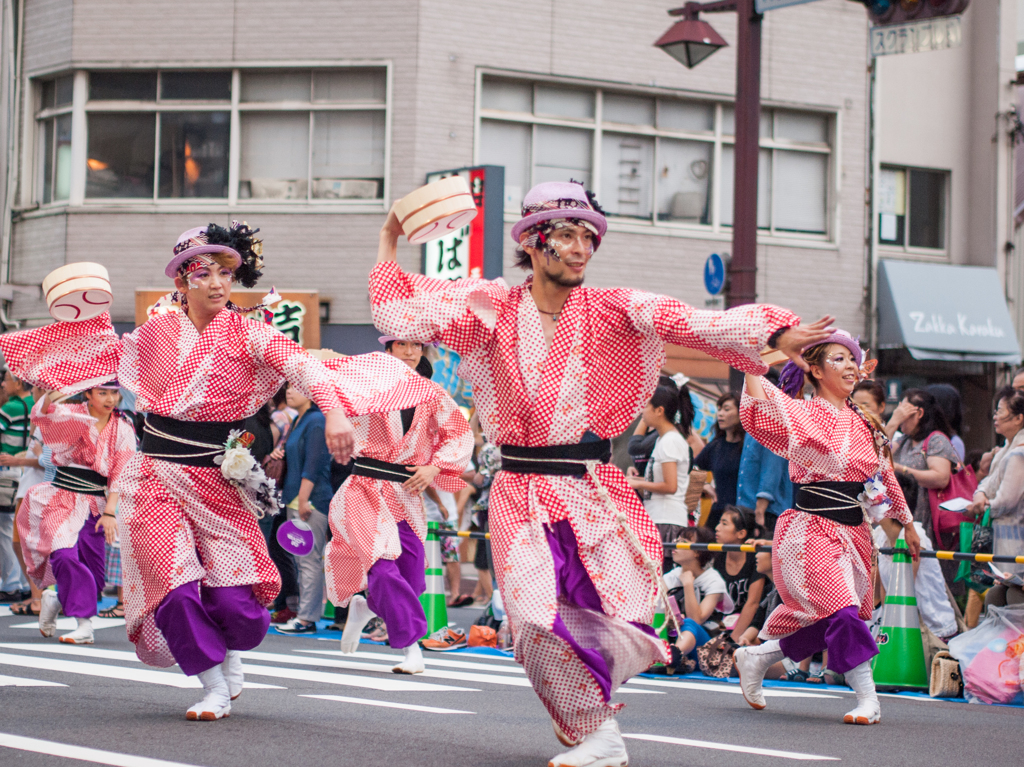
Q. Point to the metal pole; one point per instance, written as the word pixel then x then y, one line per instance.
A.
pixel 743 266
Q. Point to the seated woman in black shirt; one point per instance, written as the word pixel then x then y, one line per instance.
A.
pixel 742 580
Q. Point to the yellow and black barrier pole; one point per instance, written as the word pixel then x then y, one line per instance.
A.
pixel 747 548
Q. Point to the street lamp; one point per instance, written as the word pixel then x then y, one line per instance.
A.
pixel 689 42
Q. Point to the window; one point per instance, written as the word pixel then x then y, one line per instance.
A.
pixel 912 208
pixel 653 158
pixel 312 134
pixel 53 120
pixel 307 134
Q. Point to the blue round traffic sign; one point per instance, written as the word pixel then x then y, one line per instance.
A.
pixel 714 274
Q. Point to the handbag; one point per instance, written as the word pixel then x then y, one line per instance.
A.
pixel 974 575
pixel 274 468
pixel 945 681
pixel 962 484
pixel 695 490
pixel 715 657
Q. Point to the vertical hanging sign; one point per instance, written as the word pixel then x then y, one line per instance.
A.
pixel 475 250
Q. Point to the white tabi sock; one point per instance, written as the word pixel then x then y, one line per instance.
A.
pixel 752 663
pixel 49 607
pixel 601 748
pixel 868 710
pixel 233 674
pixel 413 663
pixel 359 614
pixel 217 703
pixel 81 635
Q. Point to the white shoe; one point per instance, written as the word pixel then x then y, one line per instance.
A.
pixel 752 663
pixel 217 703
pixel 49 607
pixel 359 614
pixel 233 674
pixel 601 748
pixel 413 663
pixel 869 710
pixel 81 635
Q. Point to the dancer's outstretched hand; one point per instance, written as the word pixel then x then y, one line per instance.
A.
pixel 339 435
pixel 800 337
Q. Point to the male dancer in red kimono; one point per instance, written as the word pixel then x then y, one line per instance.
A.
pixel 197 575
pixel 62 532
pixel 557 371
pixel 377 516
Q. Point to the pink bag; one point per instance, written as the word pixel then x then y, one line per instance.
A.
pixel 962 484
pixel 993 675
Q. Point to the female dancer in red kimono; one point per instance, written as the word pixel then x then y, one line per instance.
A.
pixel 821 553
pixel 62 533
pixel 557 371
pixel 197 575
pixel 377 516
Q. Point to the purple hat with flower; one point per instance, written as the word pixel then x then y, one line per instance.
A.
pixel 791 379
pixel 195 242
pixel 559 199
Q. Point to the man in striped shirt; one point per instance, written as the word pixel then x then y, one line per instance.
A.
pixel 14 432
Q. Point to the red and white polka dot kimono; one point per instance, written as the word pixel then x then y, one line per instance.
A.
pixel 820 566
pixel 55 516
pixel 365 512
pixel 600 371
pixel 168 510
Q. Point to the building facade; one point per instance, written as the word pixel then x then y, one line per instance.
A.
pixel 131 123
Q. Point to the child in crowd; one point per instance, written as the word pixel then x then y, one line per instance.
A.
pixel 700 592
pixel 744 583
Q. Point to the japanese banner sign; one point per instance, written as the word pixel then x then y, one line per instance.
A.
pixel 297 314
pixel 475 250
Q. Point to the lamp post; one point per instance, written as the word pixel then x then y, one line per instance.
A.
pixel 690 41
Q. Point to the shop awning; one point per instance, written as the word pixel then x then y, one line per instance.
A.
pixel 944 312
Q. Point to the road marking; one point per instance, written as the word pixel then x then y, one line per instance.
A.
pixel 769 692
pixel 728 747
pixel 82 753
pixel 5 611
pixel 642 692
pixel 388 704
pixel 101 654
pixel 17 681
pixel 430 661
pixel 70 624
pixel 109 672
pixel 352 665
pixel 368 682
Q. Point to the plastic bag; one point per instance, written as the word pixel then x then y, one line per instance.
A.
pixel 990 656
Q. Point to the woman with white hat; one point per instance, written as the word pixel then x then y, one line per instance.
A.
pixel 197 576
pixel 64 523
pixel 378 518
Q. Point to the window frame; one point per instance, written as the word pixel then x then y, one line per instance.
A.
pixel 40 117
pixel 235 108
pixel 716 137
pixel 906 249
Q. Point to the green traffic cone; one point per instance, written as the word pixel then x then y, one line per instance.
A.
pixel 329 611
pixel 434 606
pixel 899 664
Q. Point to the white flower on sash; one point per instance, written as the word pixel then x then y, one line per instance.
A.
pixel 240 469
pixel 874 500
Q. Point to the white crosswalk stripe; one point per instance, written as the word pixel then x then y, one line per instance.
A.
pixel 17 681
pixel 388 704
pixel 81 753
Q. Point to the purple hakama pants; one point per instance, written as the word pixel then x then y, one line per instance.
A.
pixel 80 572
pixel 843 634
pixel 201 625
pixel 393 589
pixel 574 586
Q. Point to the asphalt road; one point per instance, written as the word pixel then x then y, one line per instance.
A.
pixel 313 707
